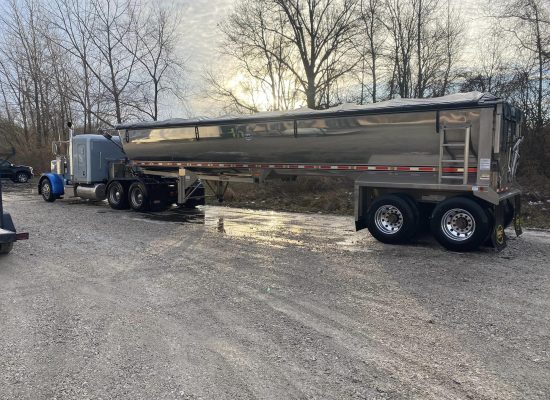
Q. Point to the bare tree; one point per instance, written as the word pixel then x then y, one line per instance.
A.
pixel 67 21
pixel 155 52
pixel 25 56
pixel 528 21
pixel 370 45
pixel 490 73
pixel 310 40
pixel 426 40
pixel 252 39
pixel 235 96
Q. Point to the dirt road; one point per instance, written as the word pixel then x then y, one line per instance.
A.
pixel 225 303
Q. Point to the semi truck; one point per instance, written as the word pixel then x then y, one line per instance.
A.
pixel 447 163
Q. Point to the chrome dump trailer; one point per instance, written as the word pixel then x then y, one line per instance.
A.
pixel 447 162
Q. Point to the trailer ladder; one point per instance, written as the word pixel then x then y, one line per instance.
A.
pixel 445 149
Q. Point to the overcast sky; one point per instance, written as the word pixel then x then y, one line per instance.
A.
pixel 201 39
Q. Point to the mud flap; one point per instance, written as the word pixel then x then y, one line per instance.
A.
pixel 517 216
pixel 498 236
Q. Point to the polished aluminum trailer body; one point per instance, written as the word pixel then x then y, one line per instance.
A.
pixel 450 161
pixel 394 143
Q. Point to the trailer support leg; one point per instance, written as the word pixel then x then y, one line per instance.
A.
pixel 219 189
pixel 186 179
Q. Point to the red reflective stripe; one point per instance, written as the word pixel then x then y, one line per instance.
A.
pixel 302 166
pixel 461 170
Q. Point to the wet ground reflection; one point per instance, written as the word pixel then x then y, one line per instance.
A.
pixel 274 228
pixel 278 229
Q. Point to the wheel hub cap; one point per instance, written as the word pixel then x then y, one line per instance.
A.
pixel 139 198
pixel 388 219
pixel 458 224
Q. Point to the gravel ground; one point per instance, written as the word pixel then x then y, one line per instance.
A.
pixel 225 303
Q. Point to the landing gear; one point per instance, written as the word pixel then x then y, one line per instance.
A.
pixel 218 188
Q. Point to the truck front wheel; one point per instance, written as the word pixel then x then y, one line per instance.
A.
pixel 116 196
pixel 460 224
pixel 46 190
pixel 392 219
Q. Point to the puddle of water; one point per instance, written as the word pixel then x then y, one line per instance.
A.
pixel 273 228
pixel 277 229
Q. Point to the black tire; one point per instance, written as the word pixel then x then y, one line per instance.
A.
pixel 138 197
pixel 460 224
pixel 5 248
pixel 46 191
pixel 21 177
pixel 414 206
pixel 391 219
pixel 116 196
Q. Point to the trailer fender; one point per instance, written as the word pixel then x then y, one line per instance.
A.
pixel 56 181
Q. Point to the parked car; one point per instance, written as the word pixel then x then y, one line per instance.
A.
pixel 17 173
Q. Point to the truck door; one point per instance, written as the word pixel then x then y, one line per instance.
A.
pixel 80 162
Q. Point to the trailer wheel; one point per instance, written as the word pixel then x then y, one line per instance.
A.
pixel 460 224
pixel 116 196
pixel 414 205
pixel 392 219
pixel 5 248
pixel 46 190
pixel 137 195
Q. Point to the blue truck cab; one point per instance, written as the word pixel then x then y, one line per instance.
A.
pixel 82 163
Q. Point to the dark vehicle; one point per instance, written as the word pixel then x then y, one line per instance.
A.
pixel 17 173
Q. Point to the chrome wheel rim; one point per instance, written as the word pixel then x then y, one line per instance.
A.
pixel 46 190
pixel 388 219
pixel 458 224
pixel 115 195
pixel 137 197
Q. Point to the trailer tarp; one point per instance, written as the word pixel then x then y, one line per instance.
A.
pixel 458 100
